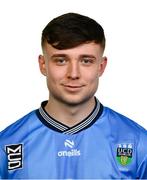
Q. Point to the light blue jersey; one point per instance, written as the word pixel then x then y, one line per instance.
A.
pixel 106 144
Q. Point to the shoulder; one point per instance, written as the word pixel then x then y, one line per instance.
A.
pixel 123 123
pixel 18 128
pixel 124 128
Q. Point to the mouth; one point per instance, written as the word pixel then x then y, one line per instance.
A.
pixel 73 88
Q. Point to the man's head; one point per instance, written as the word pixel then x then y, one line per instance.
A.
pixel 72 59
pixel 71 30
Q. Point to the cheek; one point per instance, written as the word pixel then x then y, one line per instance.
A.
pixel 54 74
pixel 91 76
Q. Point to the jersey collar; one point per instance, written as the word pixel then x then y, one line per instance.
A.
pixel 53 124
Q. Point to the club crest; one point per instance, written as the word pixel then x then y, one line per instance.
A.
pixel 124 154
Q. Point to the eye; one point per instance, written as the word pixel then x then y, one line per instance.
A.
pixel 60 61
pixel 87 61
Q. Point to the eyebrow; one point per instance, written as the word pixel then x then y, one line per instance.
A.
pixel 81 56
pixel 58 55
pixel 87 56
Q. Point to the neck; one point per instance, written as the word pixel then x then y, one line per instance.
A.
pixel 68 114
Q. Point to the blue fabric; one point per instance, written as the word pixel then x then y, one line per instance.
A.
pixel 113 147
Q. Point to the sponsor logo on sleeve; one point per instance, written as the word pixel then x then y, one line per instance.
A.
pixel 15 156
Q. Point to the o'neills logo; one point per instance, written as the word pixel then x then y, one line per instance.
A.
pixel 73 152
pixel 69 153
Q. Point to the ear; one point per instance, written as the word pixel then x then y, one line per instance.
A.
pixel 102 66
pixel 42 66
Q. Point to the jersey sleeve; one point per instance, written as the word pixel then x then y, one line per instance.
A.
pixel 142 157
pixel 3 164
pixel 142 170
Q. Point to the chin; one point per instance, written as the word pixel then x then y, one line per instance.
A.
pixel 75 101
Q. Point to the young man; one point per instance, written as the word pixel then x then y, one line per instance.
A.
pixel 72 135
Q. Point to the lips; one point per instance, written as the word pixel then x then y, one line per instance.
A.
pixel 72 87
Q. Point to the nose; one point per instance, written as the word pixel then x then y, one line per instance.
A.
pixel 73 71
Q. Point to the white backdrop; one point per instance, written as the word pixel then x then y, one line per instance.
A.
pixel 122 87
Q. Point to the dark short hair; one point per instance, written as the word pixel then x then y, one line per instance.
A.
pixel 72 29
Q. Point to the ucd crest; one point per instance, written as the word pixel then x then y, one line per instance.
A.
pixel 124 154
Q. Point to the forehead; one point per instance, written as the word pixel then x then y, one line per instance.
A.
pixel 87 48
